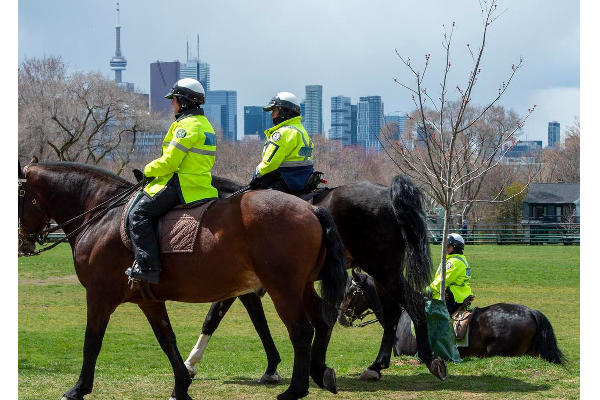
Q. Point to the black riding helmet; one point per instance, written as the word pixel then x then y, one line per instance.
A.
pixel 454 239
pixel 189 90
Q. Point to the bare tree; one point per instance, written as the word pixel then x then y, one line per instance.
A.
pixel 457 143
pixel 562 164
pixel 81 116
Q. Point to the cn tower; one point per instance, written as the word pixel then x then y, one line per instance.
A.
pixel 118 62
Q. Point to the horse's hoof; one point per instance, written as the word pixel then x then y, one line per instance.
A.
pixel 438 368
pixel 270 379
pixel 329 381
pixel 191 370
pixel 287 395
pixel 369 375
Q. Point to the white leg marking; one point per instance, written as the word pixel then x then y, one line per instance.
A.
pixel 197 353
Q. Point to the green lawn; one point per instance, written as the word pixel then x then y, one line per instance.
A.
pixel 132 365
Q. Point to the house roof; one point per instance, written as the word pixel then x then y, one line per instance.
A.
pixel 552 193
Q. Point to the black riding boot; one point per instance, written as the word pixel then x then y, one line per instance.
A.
pixel 144 213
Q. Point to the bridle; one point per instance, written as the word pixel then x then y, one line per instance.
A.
pixel 41 236
pixel 350 312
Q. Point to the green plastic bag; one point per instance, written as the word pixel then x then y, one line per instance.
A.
pixel 441 333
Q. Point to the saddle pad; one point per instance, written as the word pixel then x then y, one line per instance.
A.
pixel 177 229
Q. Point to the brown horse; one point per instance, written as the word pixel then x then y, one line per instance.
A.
pixel 240 248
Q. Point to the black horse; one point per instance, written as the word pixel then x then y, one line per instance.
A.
pixel 384 232
pixel 502 329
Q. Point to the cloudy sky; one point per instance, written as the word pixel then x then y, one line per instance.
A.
pixel 259 48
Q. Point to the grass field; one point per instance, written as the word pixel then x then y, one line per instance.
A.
pixel 132 366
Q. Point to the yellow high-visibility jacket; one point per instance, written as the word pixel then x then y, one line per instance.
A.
pixel 458 274
pixel 189 149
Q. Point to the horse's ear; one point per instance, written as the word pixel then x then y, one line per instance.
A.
pixel 355 274
pixel 139 175
pixel 34 160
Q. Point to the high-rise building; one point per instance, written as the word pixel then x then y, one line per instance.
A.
pixel 256 121
pixel 370 121
pixel 398 124
pixel 163 76
pixel 341 120
pixel 303 110
pixel 196 69
pixel 553 134
pixel 221 109
pixel 313 113
pixel 354 125
pixel 118 63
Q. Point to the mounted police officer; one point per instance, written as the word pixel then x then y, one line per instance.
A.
pixel 458 274
pixel 180 176
pixel 287 154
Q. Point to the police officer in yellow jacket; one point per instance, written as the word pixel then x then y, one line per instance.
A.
pixel 180 176
pixel 287 154
pixel 458 274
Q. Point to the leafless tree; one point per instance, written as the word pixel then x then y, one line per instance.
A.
pixel 80 116
pixel 562 164
pixel 457 143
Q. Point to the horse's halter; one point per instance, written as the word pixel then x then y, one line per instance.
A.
pixel 350 312
pixel 29 238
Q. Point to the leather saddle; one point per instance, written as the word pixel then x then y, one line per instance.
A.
pixel 176 230
pixel 462 317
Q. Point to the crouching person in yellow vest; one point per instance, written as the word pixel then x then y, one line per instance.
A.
pixel 458 274
pixel 181 176
pixel 287 154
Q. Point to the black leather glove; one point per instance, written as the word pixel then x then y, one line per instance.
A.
pixel 254 183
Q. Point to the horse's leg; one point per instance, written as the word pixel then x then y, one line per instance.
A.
pixel 323 376
pixel 156 313
pixel 414 304
pixel 98 315
pixel 415 307
pixel 291 311
pixel 390 315
pixel 256 312
pixel 217 311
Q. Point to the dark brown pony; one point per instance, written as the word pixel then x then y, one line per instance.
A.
pixel 384 232
pixel 231 258
pixel 502 329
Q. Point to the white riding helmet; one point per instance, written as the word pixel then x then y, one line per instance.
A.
pixel 284 100
pixel 454 239
pixel 189 89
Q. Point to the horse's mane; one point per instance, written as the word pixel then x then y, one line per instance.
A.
pixel 96 171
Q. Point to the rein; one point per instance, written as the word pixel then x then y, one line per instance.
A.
pixel 103 208
pixel 353 316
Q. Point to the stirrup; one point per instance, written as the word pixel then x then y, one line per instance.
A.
pixel 136 274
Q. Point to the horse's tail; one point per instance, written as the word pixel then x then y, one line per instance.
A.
pixel 544 341
pixel 333 275
pixel 408 209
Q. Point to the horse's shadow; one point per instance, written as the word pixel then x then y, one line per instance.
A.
pixel 422 382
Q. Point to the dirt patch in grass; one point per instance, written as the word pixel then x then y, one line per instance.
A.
pixel 55 280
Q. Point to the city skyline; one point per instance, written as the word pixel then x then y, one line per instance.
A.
pixel 330 52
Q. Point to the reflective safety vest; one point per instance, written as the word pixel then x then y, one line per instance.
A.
pixel 189 149
pixel 288 148
pixel 458 274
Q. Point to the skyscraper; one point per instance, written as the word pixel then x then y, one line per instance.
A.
pixel 196 69
pixel 341 120
pixel 118 63
pixel 163 76
pixel 313 109
pixel 354 124
pixel 399 124
pixel 370 121
pixel 256 121
pixel 553 134
pixel 221 109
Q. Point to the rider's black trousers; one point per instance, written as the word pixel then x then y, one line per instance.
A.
pixel 143 216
